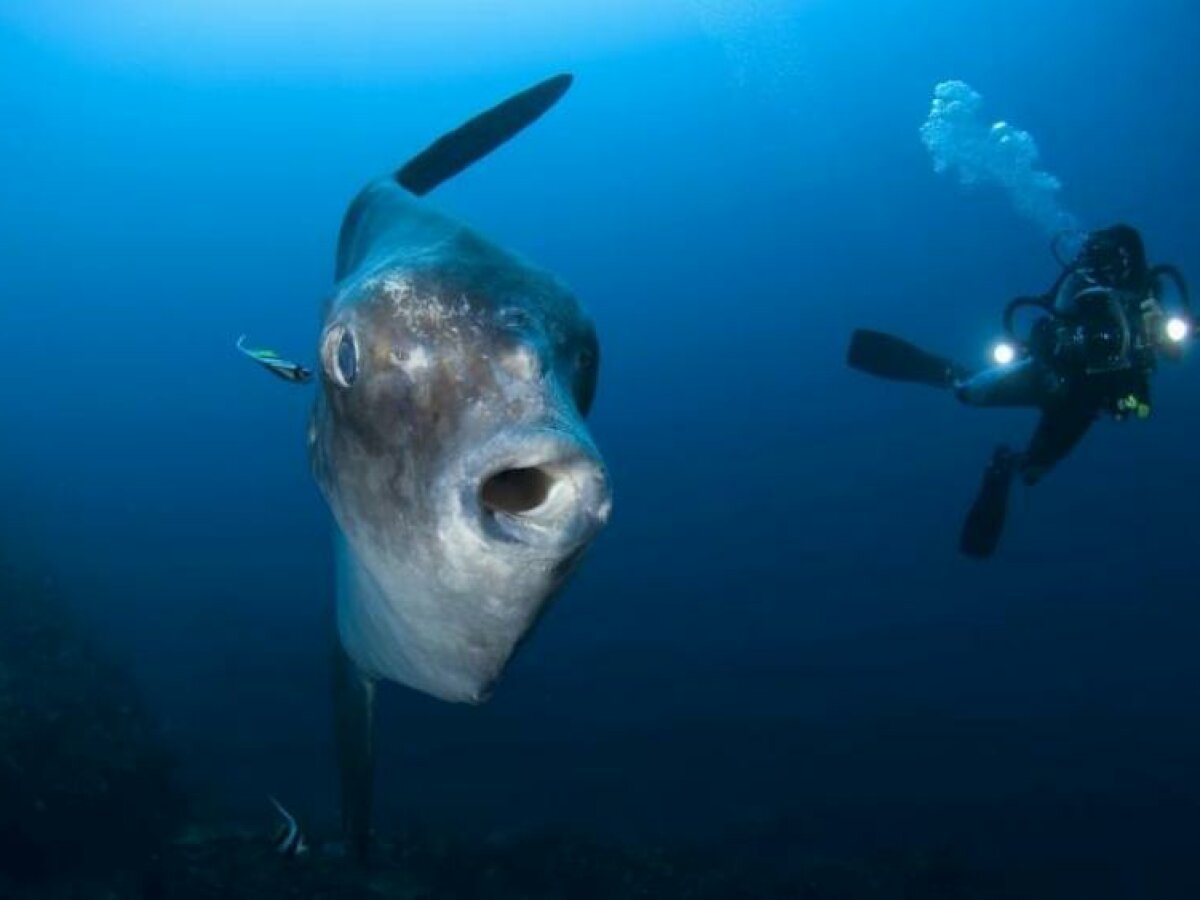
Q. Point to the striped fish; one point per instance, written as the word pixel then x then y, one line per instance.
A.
pixel 289 839
pixel 275 364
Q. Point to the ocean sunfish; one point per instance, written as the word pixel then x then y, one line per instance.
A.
pixel 448 439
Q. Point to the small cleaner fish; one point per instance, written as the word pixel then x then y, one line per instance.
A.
pixel 289 839
pixel 275 364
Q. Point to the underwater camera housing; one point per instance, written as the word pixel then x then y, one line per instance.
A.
pixel 1109 331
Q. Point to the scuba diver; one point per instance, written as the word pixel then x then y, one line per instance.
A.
pixel 1091 350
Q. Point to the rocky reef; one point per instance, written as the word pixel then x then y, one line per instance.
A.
pixel 85 779
pixel 553 864
pixel 89 811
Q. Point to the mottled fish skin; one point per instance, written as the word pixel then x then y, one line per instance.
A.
pixel 465 361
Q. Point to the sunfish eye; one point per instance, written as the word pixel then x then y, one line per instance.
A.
pixel 340 356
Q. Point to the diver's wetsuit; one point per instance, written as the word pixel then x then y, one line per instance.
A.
pixel 1070 395
pixel 1100 332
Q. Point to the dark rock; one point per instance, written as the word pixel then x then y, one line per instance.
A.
pixel 85 781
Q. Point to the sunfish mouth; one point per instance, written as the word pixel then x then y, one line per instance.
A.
pixel 542 489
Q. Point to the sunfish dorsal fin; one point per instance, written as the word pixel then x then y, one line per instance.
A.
pixel 475 139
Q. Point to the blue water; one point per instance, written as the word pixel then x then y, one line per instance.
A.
pixel 776 625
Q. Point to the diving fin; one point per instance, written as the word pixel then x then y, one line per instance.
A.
pixel 453 152
pixel 985 520
pixel 354 724
pixel 886 356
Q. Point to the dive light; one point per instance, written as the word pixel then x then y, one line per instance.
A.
pixel 1178 329
pixel 1003 353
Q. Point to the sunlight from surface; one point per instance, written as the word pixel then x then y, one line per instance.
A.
pixel 760 37
pixel 374 34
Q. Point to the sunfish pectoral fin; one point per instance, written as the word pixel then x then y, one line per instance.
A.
pixel 354 724
pixel 275 364
pixel 475 139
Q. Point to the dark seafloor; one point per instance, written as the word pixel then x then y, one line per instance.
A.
pixel 91 812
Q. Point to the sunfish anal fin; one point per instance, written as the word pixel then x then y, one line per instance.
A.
pixel 354 724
